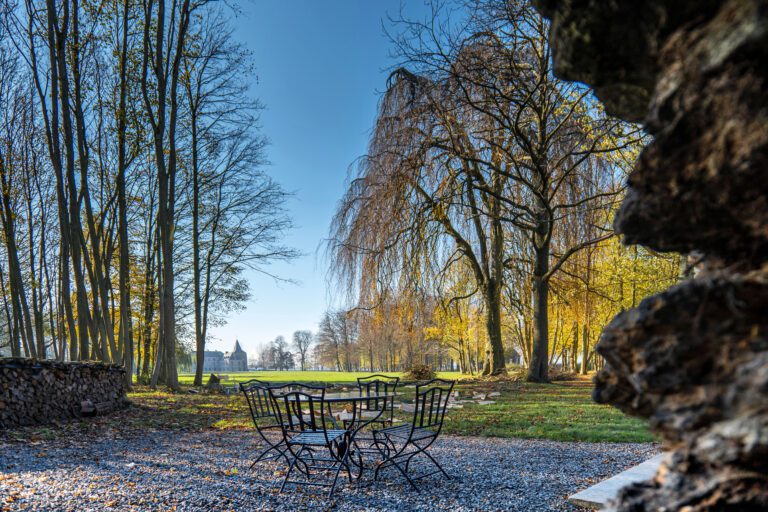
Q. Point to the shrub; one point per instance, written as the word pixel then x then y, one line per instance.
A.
pixel 559 375
pixel 420 372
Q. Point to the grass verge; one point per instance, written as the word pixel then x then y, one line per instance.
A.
pixel 562 411
pixel 318 377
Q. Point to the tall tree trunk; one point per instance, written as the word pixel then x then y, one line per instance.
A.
pixel 126 320
pixel 495 362
pixel 575 347
pixel 587 317
pixel 65 289
pixel 35 274
pixel 199 338
pixel 148 302
pixel 539 371
pixel 13 334
pixel 584 350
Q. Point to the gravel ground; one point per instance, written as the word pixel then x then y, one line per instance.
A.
pixel 209 471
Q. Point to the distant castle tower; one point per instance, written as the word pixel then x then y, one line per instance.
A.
pixel 237 360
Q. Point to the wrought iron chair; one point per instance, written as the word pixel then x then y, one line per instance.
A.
pixel 398 445
pixel 314 447
pixel 265 420
pixel 380 410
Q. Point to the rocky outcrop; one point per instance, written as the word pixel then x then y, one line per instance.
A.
pixel 693 359
pixel 38 392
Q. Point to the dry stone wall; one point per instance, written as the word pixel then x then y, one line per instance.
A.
pixel 38 392
pixel 693 359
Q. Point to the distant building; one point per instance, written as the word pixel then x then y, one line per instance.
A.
pixel 235 361
pixel 214 361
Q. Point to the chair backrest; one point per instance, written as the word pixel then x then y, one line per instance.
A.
pixel 299 407
pixel 431 403
pixel 257 395
pixel 375 385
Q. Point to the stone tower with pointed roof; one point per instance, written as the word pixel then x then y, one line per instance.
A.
pixel 237 360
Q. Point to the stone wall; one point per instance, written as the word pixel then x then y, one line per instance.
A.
pixel 38 392
pixel 693 359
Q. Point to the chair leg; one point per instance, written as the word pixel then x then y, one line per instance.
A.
pixel 387 459
pixel 359 463
pixel 262 456
pixel 283 454
pixel 288 475
pixel 408 461
pixel 408 458
pixel 342 464
pixel 384 456
pixel 437 464
pixel 405 474
pixel 311 456
pixel 348 468
pixel 335 479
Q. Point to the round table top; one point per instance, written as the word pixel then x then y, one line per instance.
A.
pixel 356 397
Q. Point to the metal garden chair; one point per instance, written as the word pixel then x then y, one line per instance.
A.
pixel 314 447
pixel 398 445
pixel 382 410
pixel 265 420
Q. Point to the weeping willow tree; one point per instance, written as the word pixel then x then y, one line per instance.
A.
pixel 478 156
pixel 418 206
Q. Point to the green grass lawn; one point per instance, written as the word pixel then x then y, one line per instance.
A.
pixel 561 411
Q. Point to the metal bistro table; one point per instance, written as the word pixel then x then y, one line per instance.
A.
pixel 357 399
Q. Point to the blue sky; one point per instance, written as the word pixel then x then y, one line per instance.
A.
pixel 320 67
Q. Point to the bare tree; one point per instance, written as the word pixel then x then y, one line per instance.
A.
pixel 276 355
pixel 302 341
pixel 336 339
pixel 238 217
